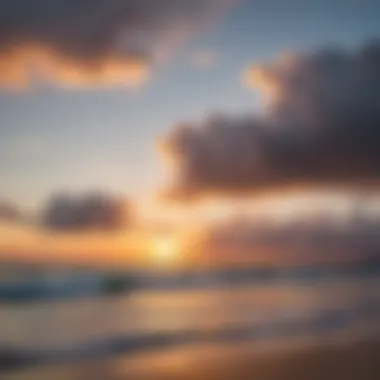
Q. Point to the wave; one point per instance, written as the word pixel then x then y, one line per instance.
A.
pixel 95 284
pixel 324 321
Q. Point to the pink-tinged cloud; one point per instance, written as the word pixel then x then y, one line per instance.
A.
pixel 81 43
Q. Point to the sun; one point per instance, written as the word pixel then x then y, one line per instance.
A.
pixel 166 249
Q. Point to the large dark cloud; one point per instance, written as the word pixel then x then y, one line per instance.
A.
pixel 89 211
pixel 94 41
pixel 321 125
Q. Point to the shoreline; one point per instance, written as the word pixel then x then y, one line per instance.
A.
pixel 345 359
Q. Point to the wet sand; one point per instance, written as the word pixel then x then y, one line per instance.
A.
pixel 346 361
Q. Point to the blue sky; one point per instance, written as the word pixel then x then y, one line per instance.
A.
pixel 55 139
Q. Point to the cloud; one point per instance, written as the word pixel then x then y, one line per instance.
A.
pixel 320 125
pixel 90 211
pixel 94 42
pixel 317 237
pixel 9 212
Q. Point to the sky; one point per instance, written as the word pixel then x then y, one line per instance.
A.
pixel 115 109
pixel 54 137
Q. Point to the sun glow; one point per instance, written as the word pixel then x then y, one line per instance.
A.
pixel 166 249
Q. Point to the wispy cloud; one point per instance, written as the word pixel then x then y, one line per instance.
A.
pixel 9 212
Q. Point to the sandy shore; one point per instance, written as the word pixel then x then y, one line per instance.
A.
pixel 348 361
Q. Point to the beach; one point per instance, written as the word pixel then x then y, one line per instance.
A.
pixel 348 360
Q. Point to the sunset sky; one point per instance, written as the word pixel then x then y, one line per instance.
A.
pixel 89 95
pixel 55 138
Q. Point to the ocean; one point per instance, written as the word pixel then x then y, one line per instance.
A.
pixel 222 314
